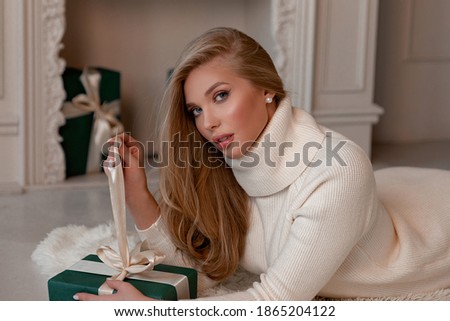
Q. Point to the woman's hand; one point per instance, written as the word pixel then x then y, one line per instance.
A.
pixel 131 152
pixel 125 292
pixel 140 201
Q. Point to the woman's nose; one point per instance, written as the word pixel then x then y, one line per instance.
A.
pixel 210 121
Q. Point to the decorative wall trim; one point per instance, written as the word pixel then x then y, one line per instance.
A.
pixel 354 122
pixel 350 115
pixel 45 93
pixel 294 31
pixel 344 68
pixel 9 125
pixel 333 85
pixel 293 25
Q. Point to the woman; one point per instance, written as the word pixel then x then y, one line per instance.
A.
pixel 252 181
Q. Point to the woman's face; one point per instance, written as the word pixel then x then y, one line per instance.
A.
pixel 229 111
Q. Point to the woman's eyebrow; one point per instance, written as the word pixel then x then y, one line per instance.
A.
pixel 207 92
pixel 214 86
pixel 189 105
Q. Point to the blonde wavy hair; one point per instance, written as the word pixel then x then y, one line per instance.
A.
pixel 205 209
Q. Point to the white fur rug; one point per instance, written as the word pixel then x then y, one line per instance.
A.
pixel 65 246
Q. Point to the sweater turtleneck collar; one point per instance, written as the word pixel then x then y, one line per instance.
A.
pixel 282 152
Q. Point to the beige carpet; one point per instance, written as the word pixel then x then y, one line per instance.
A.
pixel 67 245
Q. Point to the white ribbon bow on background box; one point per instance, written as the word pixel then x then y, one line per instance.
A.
pixel 105 124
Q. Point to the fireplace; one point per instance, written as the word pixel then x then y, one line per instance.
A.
pixel 309 40
pixel 289 20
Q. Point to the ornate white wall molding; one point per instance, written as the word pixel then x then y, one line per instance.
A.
pixel 294 31
pixel 293 25
pixel 45 25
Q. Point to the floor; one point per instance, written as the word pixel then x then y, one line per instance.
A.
pixel 27 218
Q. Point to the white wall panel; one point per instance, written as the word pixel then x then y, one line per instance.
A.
pixel 345 53
pixel 344 68
pixel 10 108
pixel 344 47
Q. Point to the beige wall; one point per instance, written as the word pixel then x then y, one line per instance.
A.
pixel 142 39
pixel 413 71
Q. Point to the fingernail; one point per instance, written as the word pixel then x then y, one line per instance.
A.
pixel 75 297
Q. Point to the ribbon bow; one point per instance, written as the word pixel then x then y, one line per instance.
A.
pixel 141 258
pixel 105 121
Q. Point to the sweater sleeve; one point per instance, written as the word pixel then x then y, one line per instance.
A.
pixel 158 239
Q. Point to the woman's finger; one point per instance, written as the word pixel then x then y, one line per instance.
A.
pixel 130 150
pixel 113 284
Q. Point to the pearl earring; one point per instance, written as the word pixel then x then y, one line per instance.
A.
pixel 269 100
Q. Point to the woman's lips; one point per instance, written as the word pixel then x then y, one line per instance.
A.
pixel 223 141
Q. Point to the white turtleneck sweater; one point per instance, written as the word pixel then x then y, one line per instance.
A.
pixel 321 224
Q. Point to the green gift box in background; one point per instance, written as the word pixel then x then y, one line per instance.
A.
pixel 164 282
pixel 78 130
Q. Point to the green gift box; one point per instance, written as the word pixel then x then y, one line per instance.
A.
pixel 164 282
pixel 76 132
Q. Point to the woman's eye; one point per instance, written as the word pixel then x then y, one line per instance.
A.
pixel 195 111
pixel 221 96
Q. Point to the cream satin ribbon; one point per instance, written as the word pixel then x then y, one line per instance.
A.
pixel 140 258
pixel 105 121
pixel 179 281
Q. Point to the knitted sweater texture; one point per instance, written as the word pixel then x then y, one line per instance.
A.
pixel 322 223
